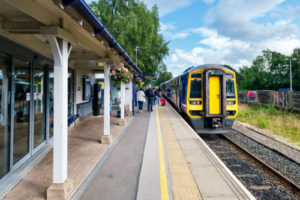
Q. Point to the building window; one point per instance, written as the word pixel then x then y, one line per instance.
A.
pixel 5 62
pixel 22 91
pixel 39 104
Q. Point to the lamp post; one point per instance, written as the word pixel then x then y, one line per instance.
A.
pixel 134 100
pixel 291 81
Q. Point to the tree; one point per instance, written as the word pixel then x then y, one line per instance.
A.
pixel 132 24
pixel 163 77
pixel 270 71
pixel 163 74
pixel 296 69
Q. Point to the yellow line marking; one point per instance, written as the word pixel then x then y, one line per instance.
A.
pixel 184 186
pixel 162 167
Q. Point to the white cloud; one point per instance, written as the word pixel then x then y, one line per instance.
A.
pixel 179 35
pixel 174 58
pixel 193 57
pixel 236 31
pixel 288 12
pixel 167 6
pixel 234 19
pixel 168 31
pixel 284 46
pixel 219 49
pixel 167 26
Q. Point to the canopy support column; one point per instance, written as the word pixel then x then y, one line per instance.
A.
pixel 122 104
pixel 106 139
pixel 130 97
pixel 133 96
pixel 61 187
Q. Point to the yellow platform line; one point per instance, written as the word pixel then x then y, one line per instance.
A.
pixel 162 167
pixel 183 183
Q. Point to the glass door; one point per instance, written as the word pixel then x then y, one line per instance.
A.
pixel 5 62
pixel 22 96
pixel 38 105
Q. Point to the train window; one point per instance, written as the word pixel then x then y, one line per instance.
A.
pixel 196 89
pixel 198 75
pixel 229 76
pixel 230 89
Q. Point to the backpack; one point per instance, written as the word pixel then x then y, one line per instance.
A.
pixel 149 92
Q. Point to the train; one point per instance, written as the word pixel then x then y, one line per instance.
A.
pixel 207 97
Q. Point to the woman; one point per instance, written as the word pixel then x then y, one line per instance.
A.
pixel 156 94
pixel 141 98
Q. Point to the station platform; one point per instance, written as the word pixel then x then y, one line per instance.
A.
pixel 157 155
pixel 160 156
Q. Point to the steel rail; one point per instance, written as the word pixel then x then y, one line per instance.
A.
pixel 277 172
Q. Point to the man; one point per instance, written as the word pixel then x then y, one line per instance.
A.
pixel 149 95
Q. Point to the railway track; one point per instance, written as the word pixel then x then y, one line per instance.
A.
pixel 284 175
pixel 260 176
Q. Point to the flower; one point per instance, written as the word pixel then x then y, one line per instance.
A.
pixel 120 74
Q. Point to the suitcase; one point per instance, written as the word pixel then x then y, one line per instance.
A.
pixel 162 101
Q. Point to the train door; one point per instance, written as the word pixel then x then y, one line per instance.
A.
pixel 214 95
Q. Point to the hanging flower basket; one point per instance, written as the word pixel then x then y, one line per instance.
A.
pixel 120 74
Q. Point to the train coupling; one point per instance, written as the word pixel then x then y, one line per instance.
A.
pixel 216 123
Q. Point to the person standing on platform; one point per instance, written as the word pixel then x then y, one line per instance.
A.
pixel 150 95
pixel 141 99
pixel 156 94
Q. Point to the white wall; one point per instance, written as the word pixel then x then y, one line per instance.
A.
pixel 128 93
pixel 78 84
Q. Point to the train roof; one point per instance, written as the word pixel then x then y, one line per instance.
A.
pixel 191 69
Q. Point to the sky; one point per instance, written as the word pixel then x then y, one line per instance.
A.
pixel 229 32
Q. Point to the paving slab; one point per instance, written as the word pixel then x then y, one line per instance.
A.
pixel 149 181
pixel 84 151
pixel 213 178
pixel 118 177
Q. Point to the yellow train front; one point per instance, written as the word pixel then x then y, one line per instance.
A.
pixel 207 96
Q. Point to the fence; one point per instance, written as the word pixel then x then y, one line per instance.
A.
pixel 284 100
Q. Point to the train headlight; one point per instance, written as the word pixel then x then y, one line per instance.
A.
pixel 230 102
pixel 195 102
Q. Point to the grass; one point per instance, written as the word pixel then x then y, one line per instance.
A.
pixel 282 123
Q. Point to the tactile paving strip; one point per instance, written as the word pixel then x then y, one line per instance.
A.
pixel 183 183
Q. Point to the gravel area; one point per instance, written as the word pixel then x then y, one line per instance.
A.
pixel 286 166
pixel 269 140
pixel 262 183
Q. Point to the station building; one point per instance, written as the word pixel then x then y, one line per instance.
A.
pixel 50 54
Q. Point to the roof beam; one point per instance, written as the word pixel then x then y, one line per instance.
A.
pixel 55 30
pixel 89 62
pixel 84 55
pixel 21 26
pixel 48 13
pixel 76 57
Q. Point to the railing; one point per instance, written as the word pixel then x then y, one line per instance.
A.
pixel 283 100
